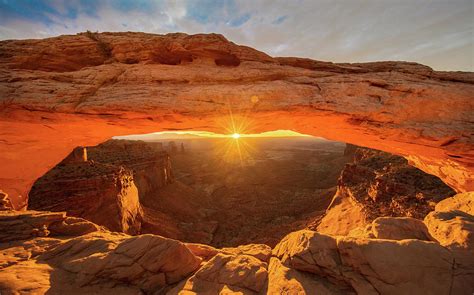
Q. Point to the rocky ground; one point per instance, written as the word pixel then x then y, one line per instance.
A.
pixel 45 252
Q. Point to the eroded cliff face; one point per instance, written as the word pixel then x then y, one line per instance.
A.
pixel 378 184
pixel 105 184
pixel 102 193
pixel 84 89
pixel 149 163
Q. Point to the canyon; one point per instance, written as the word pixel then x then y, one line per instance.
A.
pixel 390 226
pixel 230 204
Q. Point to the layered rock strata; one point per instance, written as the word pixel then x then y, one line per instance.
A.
pixel 149 163
pixel 82 89
pixel 102 193
pixel 378 184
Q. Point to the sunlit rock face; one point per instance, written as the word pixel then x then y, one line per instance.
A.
pixel 46 252
pixel 378 184
pixel 103 193
pixel 149 163
pixel 105 183
pixel 63 92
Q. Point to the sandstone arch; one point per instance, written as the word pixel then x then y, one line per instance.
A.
pixel 60 93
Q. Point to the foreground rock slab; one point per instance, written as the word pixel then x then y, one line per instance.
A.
pixel 93 260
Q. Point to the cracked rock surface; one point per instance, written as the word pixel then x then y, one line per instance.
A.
pixel 89 259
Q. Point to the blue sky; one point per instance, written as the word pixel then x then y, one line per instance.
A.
pixel 437 33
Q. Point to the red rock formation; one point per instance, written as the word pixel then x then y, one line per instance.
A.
pixel 59 255
pixel 62 92
pixel 5 203
pixel 150 165
pixel 378 184
pixel 102 193
pixel 105 183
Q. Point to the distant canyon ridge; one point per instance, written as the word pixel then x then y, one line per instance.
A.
pixel 62 92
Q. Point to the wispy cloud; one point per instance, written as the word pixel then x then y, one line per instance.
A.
pixel 437 33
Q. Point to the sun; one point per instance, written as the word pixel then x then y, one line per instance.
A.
pixel 235 136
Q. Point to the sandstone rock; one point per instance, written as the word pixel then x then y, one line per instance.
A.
pixel 370 266
pixel 343 215
pixel 378 184
pixel 20 225
pixel 98 263
pixel 102 193
pixel 151 166
pixel 462 202
pixel 455 230
pixel 452 225
pixel 260 251
pixel 150 263
pixel 398 228
pixel 391 267
pixel 205 252
pixel 106 178
pixel 225 274
pixel 80 90
pixel 5 203
pixel 452 229
pixel 72 226
pixel 304 262
pixel 285 280
pixel 78 155
pixel 26 278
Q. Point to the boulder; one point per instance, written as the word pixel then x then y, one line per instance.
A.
pixel 259 251
pixel 22 225
pixel 462 202
pixel 394 228
pixel 286 280
pixel 452 229
pixel 149 263
pixel 370 266
pixel 225 274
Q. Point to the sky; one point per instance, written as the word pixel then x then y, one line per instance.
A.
pixel 437 33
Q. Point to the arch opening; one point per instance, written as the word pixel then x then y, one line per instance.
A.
pixel 226 191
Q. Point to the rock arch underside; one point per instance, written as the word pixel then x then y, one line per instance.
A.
pixel 80 90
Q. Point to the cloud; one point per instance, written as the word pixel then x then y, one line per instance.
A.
pixel 436 33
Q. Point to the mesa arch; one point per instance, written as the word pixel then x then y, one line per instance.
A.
pixel 62 92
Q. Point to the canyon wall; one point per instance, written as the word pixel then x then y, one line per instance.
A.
pixel 105 184
pixel 149 163
pixel 58 93
pixel 377 184
pixel 102 193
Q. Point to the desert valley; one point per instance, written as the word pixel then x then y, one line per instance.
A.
pixel 136 163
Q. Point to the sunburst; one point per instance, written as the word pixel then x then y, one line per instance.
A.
pixel 236 148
